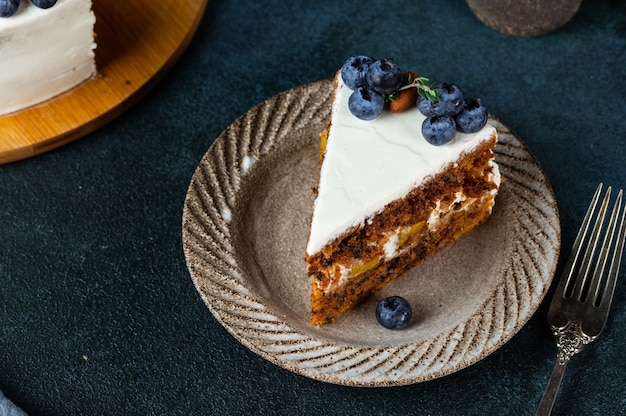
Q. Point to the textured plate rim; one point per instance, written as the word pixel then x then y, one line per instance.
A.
pixel 221 281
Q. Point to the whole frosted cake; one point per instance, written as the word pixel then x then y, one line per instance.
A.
pixel 398 181
pixel 46 48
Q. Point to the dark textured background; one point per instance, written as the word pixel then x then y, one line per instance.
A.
pixel 98 314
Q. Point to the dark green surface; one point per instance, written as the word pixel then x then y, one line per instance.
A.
pixel 98 314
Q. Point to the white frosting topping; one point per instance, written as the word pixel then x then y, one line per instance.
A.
pixel 369 164
pixel 44 52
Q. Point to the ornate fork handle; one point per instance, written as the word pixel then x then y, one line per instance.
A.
pixel 570 340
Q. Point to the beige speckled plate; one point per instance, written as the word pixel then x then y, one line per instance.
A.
pixel 245 226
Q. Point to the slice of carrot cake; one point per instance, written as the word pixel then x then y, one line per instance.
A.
pixel 396 184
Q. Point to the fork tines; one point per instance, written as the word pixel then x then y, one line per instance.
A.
pixel 577 282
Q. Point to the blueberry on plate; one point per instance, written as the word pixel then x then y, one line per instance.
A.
pixel 438 130
pixel 366 103
pixel 384 76
pixel 9 7
pixel 473 117
pixel 393 312
pixel 354 69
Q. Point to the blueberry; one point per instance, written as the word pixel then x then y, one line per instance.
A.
pixel 366 103
pixel 9 7
pixel 473 117
pixel 438 130
pixel 354 69
pixel 393 312
pixel 430 108
pixel 44 4
pixel 425 107
pixel 384 76
pixel 450 100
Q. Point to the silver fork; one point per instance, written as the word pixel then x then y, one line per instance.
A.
pixel 581 303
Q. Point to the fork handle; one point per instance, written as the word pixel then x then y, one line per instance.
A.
pixel 549 395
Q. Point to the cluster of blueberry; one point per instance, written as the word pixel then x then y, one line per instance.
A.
pixel 449 113
pixel 369 81
pixel 9 7
pixel 374 80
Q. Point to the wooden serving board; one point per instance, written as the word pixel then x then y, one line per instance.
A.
pixel 138 42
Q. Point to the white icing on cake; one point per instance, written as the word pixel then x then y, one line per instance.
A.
pixel 369 164
pixel 44 53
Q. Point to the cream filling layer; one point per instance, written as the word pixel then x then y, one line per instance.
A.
pixel 369 164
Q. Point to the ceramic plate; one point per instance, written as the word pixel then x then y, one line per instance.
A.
pixel 245 228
